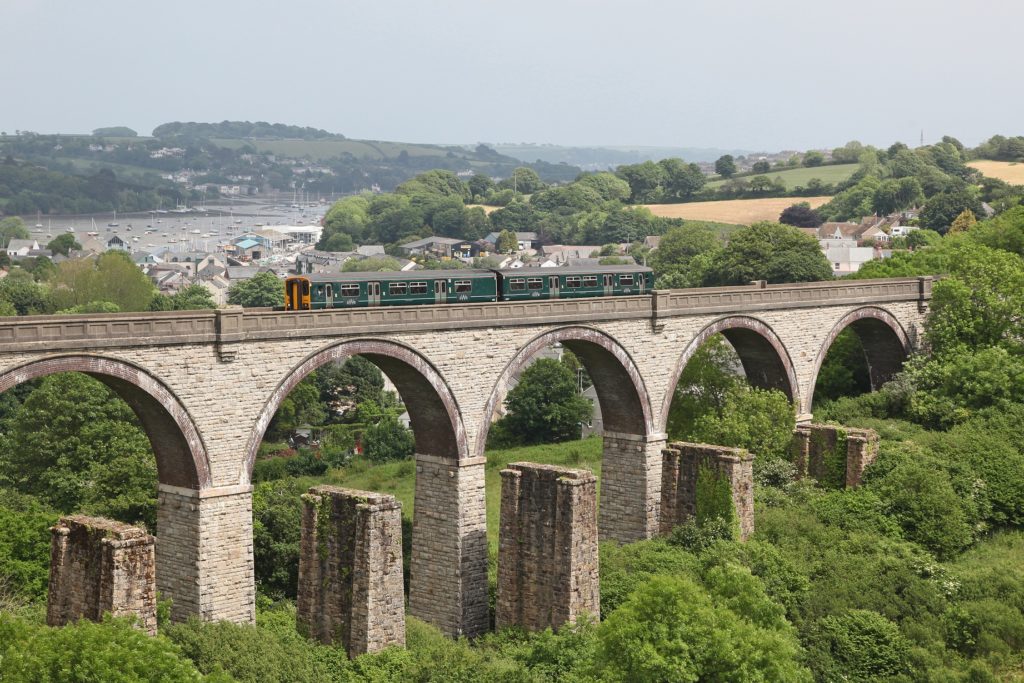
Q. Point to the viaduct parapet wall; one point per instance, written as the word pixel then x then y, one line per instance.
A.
pixel 547 547
pixel 701 482
pixel 835 456
pixel 98 566
pixel 350 569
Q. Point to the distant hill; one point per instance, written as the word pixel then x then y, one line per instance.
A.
pixel 242 130
pixel 603 158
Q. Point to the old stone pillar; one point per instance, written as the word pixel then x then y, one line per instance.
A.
pixel 100 566
pixel 835 456
pixel 702 482
pixel 547 548
pixel 350 569
pixel 448 572
pixel 630 486
pixel 204 553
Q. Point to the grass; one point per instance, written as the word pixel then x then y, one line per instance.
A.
pixel 1007 171
pixel 801 176
pixel 734 211
pixel 399 478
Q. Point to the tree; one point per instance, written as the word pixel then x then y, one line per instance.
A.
pixel 813 158
pixel 388 440
pixel 963 222
pixel 263 289
pixel 62 244
pixel 769 251
pixel 523 180
pixel 544 407
pixel 479 185
pixel 941 210
pixel 507 242
pixel 684 254
pixel 682 180
pixel 761 166
pixel 192 298
pixel 725 166
pixel 21 291
pixel 646 181
pixel 112 277
pixel 339 241
pixel 301 407
pixel 12 228
pixel 373 264
pixel 801 216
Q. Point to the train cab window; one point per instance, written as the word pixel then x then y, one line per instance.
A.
pixel 517 284
pixel 417 287
pixel 534 283
pixel 350 290
pixel 590 281
pixel 463 286
pixel 626 280
pixel 573 281
pixel 305 287
pixel 396 288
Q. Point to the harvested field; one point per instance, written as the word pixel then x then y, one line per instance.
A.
pixel 1008 171
pixel 735 211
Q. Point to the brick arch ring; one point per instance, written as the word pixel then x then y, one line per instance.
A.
pixel 621 392
pixel 765 359
pixel 181 456
pixel 881 334
pixel 433 411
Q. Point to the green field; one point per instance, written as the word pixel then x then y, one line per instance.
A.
pixel 319 150
pixel 801 176
pixel 399 478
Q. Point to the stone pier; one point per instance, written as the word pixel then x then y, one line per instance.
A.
pixel 835 456
pixel 547 547
pixel 702 482
pixel 350 569
pixel 99 566
pixel 630 486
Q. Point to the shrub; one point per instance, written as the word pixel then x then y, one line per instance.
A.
pixel 858 645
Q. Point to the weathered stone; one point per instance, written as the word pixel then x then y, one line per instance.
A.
pixel 350 569
pixel 834 456
pixel 630 486
pixel 547 547
pixel 700 481
pixel 99 566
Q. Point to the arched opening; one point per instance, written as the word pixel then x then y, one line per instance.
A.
pixel 448 563
pixel 868 341
pixel 631 451
pixel 87 422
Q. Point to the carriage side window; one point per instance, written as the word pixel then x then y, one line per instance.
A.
pixel 534 283
pixel 396 288
pixel 626 280
pixel 463 286
pixel 517 284
pixel 350 290
pixel 417 287
pixel 572 281
pixel 319 291
pixel 590 281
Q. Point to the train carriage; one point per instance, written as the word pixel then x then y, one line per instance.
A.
pixel 349 290
pixel 574 282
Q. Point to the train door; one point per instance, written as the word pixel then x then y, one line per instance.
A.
pixel 329 295
pixel 440 291
pixel 609 284
pixel 641 283
pixel 373 294
pixel 293 295
pixel 553 286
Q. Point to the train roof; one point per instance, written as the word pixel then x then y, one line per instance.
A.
pixel 360 276
pixel 571 270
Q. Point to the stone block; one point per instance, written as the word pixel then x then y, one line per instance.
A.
pixel 547 547
pixel 630 486
pixel 350 569
pixel 700 481
pixel 834 456
pixel 99 566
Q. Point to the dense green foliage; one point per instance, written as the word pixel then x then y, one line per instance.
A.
pixel 263 289
pixel 543 407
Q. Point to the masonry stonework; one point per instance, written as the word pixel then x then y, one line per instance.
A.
pixel 99 566
pixel 834 456
pixel 206 383
pixel 700 481
pixel 350 569
pixel 547 547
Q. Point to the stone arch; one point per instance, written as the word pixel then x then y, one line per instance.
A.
pixel 886 345
pixel 625 404
pixel 765 359
pixel 181 456
pixel 433 411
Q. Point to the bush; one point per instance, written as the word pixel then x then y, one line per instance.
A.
pixel 388 440
pixel 858 645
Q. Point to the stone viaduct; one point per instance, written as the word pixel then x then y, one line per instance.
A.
pixel 205 384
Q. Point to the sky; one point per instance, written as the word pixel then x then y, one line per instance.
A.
pixel 735 74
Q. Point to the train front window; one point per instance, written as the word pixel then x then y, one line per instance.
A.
pixel 626 280
pixel 417 287
pixel 396 288
pixel 463 286
pixel 534 283
pixel 572 282
pixel 350 290
pixel 590 281
pixel 517 284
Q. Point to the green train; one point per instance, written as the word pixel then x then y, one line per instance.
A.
pixel 348 290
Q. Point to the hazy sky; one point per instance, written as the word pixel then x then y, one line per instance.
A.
pixel 751 74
